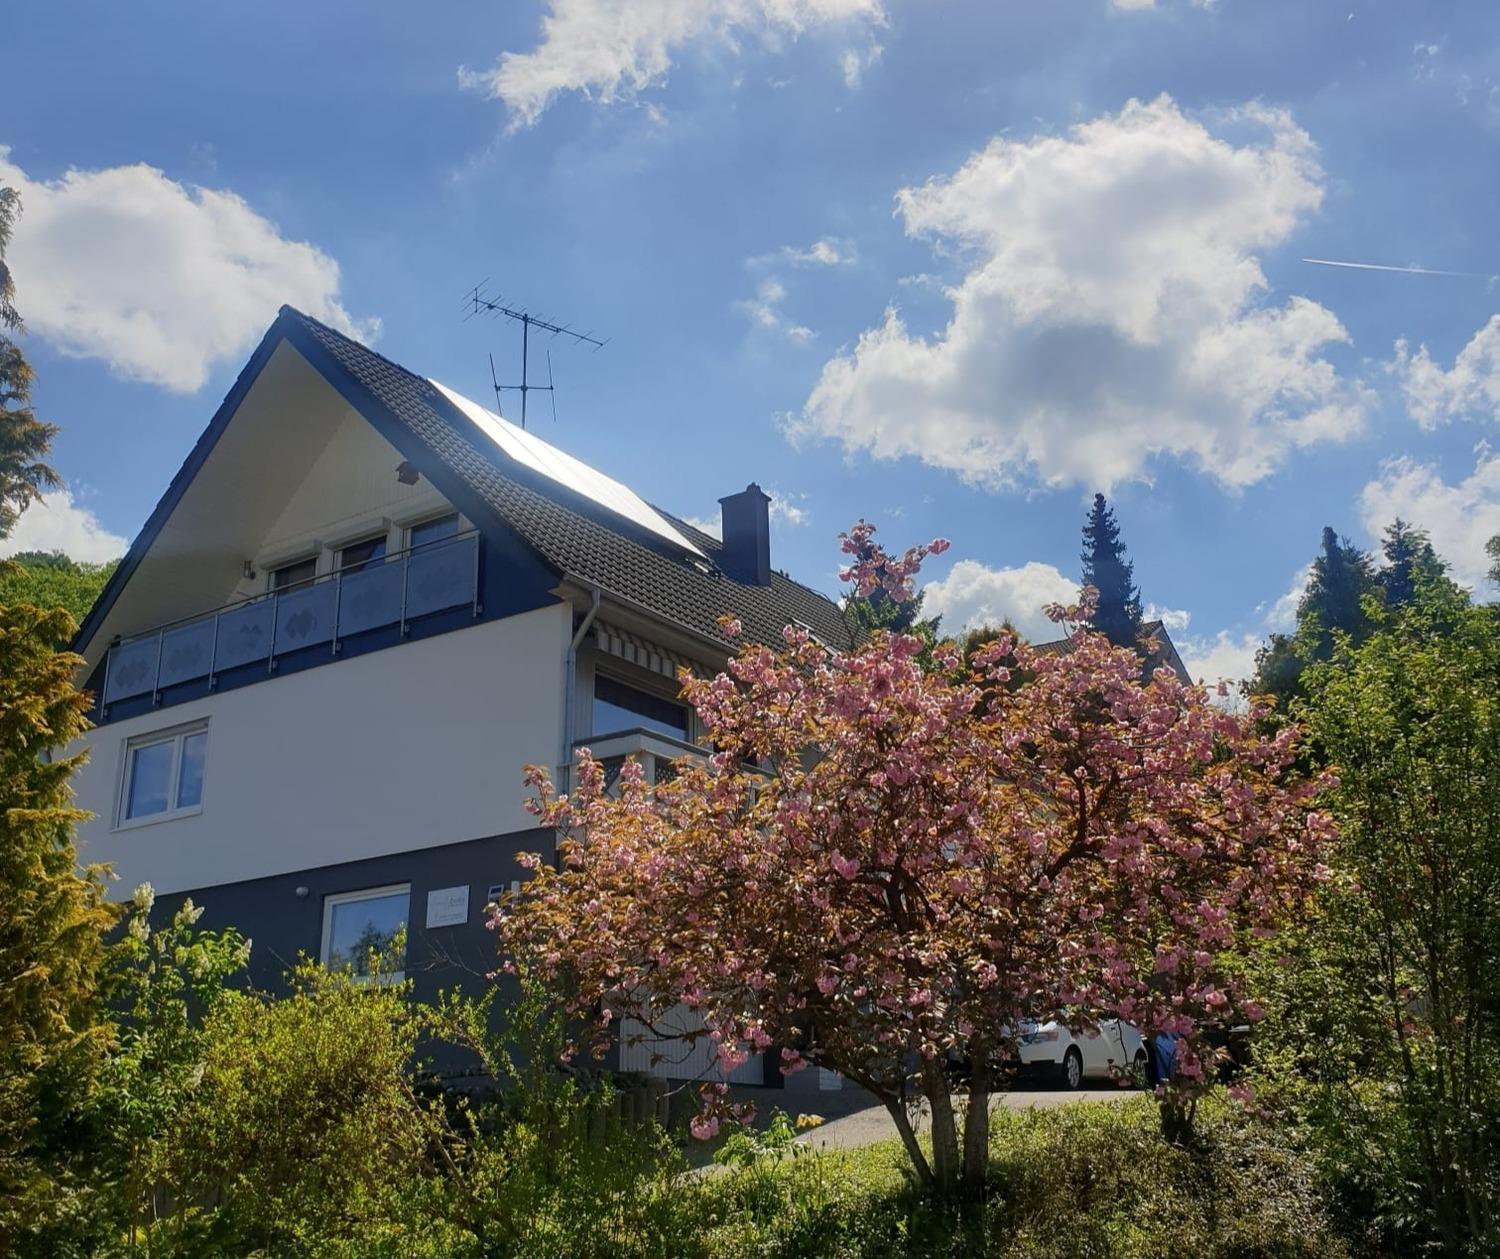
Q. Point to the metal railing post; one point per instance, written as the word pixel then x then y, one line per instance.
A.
pixel 213 655
pixel 275 609
pixel 405 578
pixel 156 677
pixel 338 607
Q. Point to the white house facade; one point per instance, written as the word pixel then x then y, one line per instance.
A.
pixel 361 608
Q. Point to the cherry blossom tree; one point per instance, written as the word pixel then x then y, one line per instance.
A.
pixel 888 869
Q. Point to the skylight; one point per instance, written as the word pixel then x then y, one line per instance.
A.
pixel 532 452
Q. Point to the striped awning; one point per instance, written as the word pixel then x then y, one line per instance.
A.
pixel 624 645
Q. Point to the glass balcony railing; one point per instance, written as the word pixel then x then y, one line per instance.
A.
pixel 433 578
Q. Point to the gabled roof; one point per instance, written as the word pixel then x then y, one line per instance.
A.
pixel 1165 653
pixel 576 535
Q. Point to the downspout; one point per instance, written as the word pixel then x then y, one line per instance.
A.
pixel 570 688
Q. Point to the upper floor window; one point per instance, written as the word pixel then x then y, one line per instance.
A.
pixel 439 529
pixel 299 573
pixel 357 555
pixel 357 925
pixel 619 706
pixel 164 774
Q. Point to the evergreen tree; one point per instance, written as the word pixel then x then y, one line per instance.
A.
pixel 24 439
pixel 1492 549
pixel 1409 559
pixel 1106 569
pixel 52 918
pixel 1342 578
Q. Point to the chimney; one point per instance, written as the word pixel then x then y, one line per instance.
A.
pixel 747 536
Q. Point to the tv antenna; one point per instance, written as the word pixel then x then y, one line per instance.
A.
pixel 479 303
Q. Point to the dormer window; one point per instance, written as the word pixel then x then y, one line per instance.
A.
pixel 298 573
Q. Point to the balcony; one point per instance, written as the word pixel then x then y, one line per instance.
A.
pixel 655 751
pixel 406 589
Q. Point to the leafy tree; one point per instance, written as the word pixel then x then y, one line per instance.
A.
pixel 1117 613
pixel 1411 720
pixel 1333 604
pixel 925 860
pixel 51 919
pixel 1409 559
pixel 24 439
pixel 1492 549
pixel 49 579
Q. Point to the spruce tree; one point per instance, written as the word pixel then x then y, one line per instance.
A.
pixel 1492 549
pixel 24 439
pixel 1409 559
pixel 1106 569
pixel 1333 604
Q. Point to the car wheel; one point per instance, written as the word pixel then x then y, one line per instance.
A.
pixel 1073 1070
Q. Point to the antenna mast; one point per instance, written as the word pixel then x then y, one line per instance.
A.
pixel 478 303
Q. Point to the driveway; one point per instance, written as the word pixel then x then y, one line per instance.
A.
pixel 866 1127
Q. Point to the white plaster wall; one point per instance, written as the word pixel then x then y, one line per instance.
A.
pixel 417 745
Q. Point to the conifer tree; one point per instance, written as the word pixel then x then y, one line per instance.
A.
pixel 1105 568
pixel 1492 549
pixel 1409 559
pixel 52 917
pixel 24 439
pixel 1333 604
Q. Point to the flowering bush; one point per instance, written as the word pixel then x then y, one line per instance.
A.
pixel 885 866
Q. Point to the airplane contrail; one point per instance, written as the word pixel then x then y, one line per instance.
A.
pixel 1375 266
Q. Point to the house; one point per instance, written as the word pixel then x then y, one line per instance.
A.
pixel 1157 649
pixel 362 606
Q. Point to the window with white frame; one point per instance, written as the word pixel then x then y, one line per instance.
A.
pixel 164 774
pixel 294 575
pixel 354 556
pixel 359 927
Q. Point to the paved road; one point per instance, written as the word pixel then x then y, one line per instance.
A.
pixel 866 1127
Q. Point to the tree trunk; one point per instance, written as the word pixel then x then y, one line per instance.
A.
pixel 977 1126
pixel 945 1165
pixel 919 1161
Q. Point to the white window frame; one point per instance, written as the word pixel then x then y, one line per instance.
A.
pixel 175 735
pixel 334 899
pixel 461 526
pixel 302 557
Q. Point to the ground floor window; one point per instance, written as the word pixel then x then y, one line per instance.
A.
pixel 357 924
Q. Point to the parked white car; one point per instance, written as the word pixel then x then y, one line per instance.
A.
pixel 1113 1049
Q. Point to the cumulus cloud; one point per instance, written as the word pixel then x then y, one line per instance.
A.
pixel 159 279
pixel 764 311
pixel 1175 619
pixel 1469 389
pixel 1113 309
pixel 1459 518
pixel 1223 657
pixel 974 595
pixel 60 523
pixel 825 252
pixel 614 49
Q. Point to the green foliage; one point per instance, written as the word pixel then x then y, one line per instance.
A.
pixel 1383 1041
pixel 1105 568
pixel 24 440
pixel 552 1169
pixel 304 1124
pixel 1410 561
pixel 52 918
pixel 1341 590
pixel 1492 549
pixel 52 580
pixel 1094 1180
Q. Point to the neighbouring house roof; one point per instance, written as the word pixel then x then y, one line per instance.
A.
pixel 583 525
pixel 1165 653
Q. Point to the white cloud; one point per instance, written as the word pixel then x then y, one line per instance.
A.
pixel 711 525
pixel 1175 619
pixel 614 49
pixel 1471 388
pixel 826 252
pixel 1114 309
pixel 158 279
pixel 1281 616
pixel 787 508
pixel 59 523
pixel 1225 657
pixel 764 311
pixel 974 595
pixel 1459 518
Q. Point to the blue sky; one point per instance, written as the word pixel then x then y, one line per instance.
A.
pixel 948 264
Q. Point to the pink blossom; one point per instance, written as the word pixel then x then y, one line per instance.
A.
pixel 704 1128
pixel 847 867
